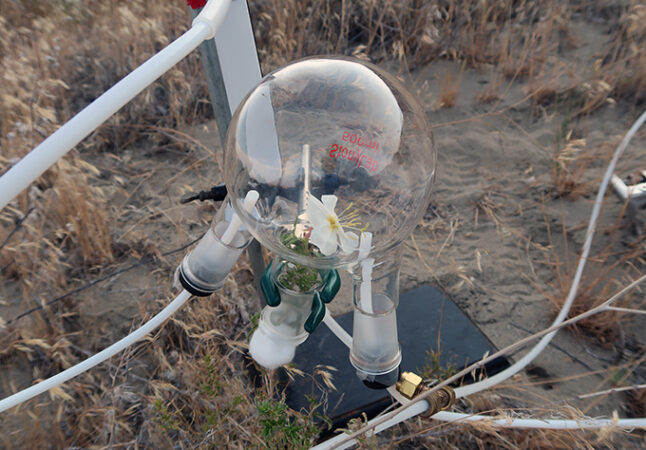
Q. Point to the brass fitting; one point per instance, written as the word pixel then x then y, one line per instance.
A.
pixel 440 400
pixel 410 384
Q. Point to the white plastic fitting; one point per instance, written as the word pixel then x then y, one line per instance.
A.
pixel 212 15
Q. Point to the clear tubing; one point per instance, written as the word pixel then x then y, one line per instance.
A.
pixel 421 406
pixel 36 162
pixel 115 348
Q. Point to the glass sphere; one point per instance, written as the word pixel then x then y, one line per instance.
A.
pixel 335 147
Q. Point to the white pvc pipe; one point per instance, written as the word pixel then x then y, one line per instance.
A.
pixel 115 348
pixel 36 162
pixel 552 424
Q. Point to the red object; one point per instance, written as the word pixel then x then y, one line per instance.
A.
pixel 196 3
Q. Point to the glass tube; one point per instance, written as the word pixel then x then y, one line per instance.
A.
pixel 205 268
pixel 375 349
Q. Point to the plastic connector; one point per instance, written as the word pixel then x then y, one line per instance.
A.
pixel 212 15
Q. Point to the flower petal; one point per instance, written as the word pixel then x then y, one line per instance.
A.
pixel 317 213
pixel 348 240
pixel 325 239
pixel 329 201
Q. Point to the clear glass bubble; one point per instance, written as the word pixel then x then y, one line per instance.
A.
pixel 334 146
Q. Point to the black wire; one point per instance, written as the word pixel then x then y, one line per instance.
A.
pixel 141 262
pixel 16 228
pixel 6 266
pixel 216 193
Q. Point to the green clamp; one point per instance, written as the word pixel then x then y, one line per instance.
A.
pixel 318 312
pixel 269 289
pixel 331 286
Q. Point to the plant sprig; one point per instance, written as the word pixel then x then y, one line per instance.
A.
pixel 296 276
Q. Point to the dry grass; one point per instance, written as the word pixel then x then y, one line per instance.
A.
pixel 449 87
pixel 609 268
pixel 187 386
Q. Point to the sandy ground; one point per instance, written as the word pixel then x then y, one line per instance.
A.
pixel 492 265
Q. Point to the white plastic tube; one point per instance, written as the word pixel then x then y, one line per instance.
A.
pixel 422 406
pixel 553 424
pixel 365 288
pixel 337 329
pixel 529 357
pixel 249 203
pixel 115 348
pixel 36 162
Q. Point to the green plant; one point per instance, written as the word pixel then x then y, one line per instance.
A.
pixel 211 387
pixel 298 277
pixel 433 369
pixel 164 418
pixel 365 440
pixel 283 428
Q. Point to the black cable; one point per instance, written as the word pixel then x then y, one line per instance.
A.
pixel 141 262
pixel 6 266
pixel 16 228
pixel 216 193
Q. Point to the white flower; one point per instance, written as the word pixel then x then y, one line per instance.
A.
pixel 327 233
